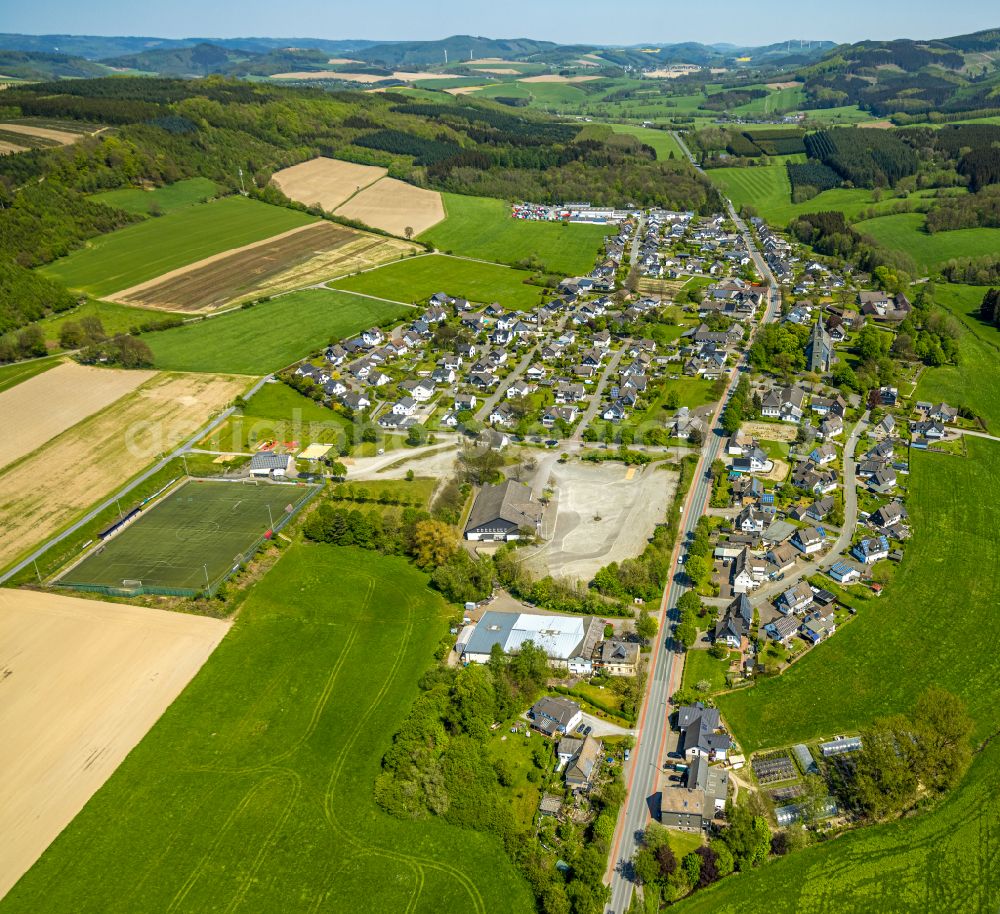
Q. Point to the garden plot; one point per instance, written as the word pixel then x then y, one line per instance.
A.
pixel 600 513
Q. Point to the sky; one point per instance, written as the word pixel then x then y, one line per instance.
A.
pixel 744 22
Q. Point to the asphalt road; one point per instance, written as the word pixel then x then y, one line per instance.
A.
pixel 666 663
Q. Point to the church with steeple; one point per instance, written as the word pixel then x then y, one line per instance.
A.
pixel 819 350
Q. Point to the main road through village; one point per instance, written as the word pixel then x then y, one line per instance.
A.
pixel 666 663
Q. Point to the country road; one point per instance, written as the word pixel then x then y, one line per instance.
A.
pixel 666 663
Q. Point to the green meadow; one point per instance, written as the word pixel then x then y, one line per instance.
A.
pixel 768 190
pixel 661 140
pixel 254 791
pixel 905 232
pixel 153 247
pixel 919 633
pixel 979 354
pixel 482 227
pixel 114 318
pixel 417 278
pixel 163 200
pixel 270 335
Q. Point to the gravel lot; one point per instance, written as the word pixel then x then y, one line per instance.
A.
pixel 600 513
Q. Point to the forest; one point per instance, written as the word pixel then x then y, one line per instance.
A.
pixel 866 158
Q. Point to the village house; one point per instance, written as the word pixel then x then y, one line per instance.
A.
pixel 795 599
pixel 735 624
pixel 616 658
pixel 808 540
pixel 701 733
pixel 871 550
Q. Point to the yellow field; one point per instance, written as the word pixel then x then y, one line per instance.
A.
pixel 48 404
pixel 82 683
pixel 46 133
pixel 44 492
pixel 394 206
pixel 325 182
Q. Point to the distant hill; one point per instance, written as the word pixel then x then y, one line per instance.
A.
pixel 402 54
pixel 198 60
pixel 100 47
pixel 903 77
pixel 38 65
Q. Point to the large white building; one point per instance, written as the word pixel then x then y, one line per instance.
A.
pixel 568 641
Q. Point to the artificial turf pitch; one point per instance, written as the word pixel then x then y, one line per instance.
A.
pixel 191 538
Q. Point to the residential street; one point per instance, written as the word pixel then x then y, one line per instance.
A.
pixel 840 545
pixel 483 413
pixel 596 398
pixel 666 664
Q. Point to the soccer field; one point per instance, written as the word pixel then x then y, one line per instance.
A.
pixel 191 538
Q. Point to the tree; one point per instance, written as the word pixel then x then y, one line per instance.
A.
pixel 884 781
pixel 646 627
pixel 646 866
pixel 408 232
pixel 941 731
pixel 748 836
pixel 337 469
pixel 433 543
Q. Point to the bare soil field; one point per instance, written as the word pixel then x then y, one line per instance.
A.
pixel 394 206
pixel 60 136
pixel 556 78
pixel 464 90
pixel 340 61
pixel 81 682
pixel 323 181
pixel 499 71
pixel 778 472
pixel 49 403
pixel 601 513
pixel 770 431
pixel 42 493
pixel 301 257
pixel 786 85
pixel 6 148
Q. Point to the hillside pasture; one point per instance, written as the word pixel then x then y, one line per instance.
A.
pixel 767 189
pixel 325 182
pixel 916 635
pixel 270 335
pixel 395 206
pixel 905 232
pixel 160 200
pixel 148 249
pixel 483 227
pixel 84 682
pixel 979 352
pixel 114 318
pixel 418 278
pixel 45 491
pixel 294 259
pixel 660 140
pixel 254 791
pixel 49 403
